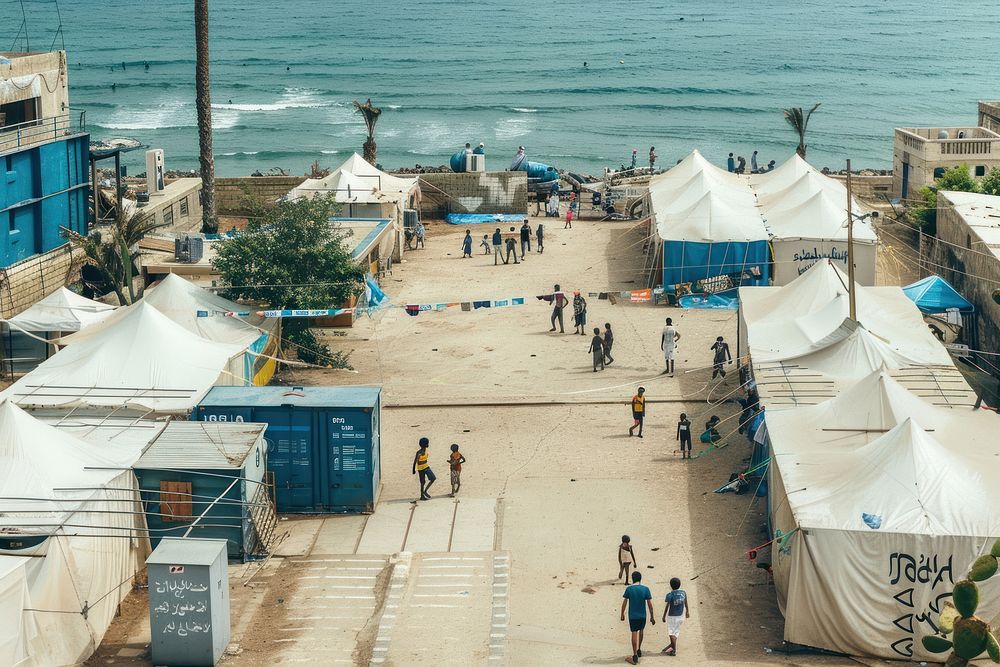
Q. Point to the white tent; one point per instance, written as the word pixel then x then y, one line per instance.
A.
pixel 146 361
pixel 871 535
pixel 63 310
pixel 365 192
pixel 806 214
pixel 72 511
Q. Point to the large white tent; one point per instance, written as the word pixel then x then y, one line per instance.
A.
pixel 72 536
pixel 63 310
pixel 875 517
pixel 145 361
pixel 365 192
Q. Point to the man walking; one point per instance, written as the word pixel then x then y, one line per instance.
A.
pixel 637 599
pixel 668 343
pixel 638 411
pixel 559 301
pixel 497 246
pixel 422 466
pixel 539 237
pixel 525 237
pixel 720 348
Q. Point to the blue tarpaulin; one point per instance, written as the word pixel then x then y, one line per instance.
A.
pixel 689 261
pixel 478 218
pixel 934 294
pixel 716 301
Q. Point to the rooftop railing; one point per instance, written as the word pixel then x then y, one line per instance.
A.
pixel 32 132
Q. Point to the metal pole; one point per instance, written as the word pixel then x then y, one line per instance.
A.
pixel 850 249
pixel 210 506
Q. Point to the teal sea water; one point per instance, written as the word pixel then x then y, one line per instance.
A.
pixel 511 72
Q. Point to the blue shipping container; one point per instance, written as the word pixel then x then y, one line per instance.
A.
pixel 323 442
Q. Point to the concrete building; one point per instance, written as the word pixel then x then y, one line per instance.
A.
pixel 921 154
pixel 44 150
pixel 989 116
pixel 966 253
pixel 177 206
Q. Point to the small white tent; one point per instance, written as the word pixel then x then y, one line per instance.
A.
pixel 72 511
pixel 146 361
pixel 870 537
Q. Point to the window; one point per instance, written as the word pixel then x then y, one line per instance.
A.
pixel 184 207
pixel 980 170
pixel 175 502
pixel 968 241
pixel 16 113
pixel 939 172
pixel 168 215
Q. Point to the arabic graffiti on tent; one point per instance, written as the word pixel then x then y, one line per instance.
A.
pixel 807 257
pixel 187 608
pixel 917 576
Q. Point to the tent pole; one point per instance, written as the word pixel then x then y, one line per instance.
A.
pixel 850 248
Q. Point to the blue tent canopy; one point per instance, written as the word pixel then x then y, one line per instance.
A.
pixel 934 294
pixel 689 261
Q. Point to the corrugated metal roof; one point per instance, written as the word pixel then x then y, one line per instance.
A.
pixel 312 397
pixel 201 445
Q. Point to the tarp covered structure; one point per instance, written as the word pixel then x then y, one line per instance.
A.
pixel 366 192
pixel 805 212
pixel 934 294
pixel 708 224
pixel 72 537
pixel 146 361
pixel 879 503
pixel 63 310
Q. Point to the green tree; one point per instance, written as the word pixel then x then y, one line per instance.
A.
pixel 990 183
pixel 291 256
pixel 799 120
pixel 924 212
pixel 114 252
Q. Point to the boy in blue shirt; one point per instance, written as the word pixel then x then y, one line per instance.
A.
pixel 674 614
pixel 637 598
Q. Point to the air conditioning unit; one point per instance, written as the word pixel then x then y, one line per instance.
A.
pixel 410 218
pixel 154 171
pixel 189 249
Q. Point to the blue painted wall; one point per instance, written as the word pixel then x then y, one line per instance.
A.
pixel 42 188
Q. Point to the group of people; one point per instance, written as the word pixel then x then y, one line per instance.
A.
pixel 638 599
pixel 478 150
pixel 415 237
pixel 738 165
pixel 501 242
pixel 422 468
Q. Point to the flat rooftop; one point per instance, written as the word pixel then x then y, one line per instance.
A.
pixel 932 133
pixel 982 214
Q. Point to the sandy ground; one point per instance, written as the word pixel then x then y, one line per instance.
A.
pixel 546 439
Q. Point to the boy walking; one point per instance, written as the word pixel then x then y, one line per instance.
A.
pixel 720 349
pixel 539 238
pixel 684 436
pixel 638 410
pixel 455 461
pixel 511 246
pixel 422 465
pixel 668 343
pixel 674 614
pixel 637 598
pixel 486 244
pixel 597 349
pixel 609 340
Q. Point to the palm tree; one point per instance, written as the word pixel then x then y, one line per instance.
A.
pixel 799 121
pixel 115 253
pixel 371 115
pixel 203 100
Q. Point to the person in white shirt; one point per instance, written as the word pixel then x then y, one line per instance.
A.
pixel 668 343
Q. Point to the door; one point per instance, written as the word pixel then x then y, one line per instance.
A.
pixel 906 180
pixel 349 440
pixel 290 457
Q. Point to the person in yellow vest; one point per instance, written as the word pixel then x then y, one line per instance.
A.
pixel 423 467
pixel 638 410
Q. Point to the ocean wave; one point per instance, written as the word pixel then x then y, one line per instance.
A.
pixel 271 106
pixel 524 110
pixel 512 128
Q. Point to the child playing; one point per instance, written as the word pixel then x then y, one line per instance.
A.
pixel 455 461
pixel 674 613
pixel 626 558
pixel 569 218
pixel 467 244
pixel 487 249
pixel 684 435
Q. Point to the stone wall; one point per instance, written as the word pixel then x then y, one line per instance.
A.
pixel 989 116
pixel 477 192
pixel 24 284
pixel 951 257
pixel 231 193
pixel 868 188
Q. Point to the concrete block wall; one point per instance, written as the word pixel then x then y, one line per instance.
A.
pixel 231 193
pixel 477 192
pixel 24 284
pixel 956 255
pixel 868 188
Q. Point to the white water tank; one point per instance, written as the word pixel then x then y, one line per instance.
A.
pixel 942 134
pixel 154 170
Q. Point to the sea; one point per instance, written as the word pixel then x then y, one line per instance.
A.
pixel 579 84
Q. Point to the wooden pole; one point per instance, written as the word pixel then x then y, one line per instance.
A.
pixel 850 248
